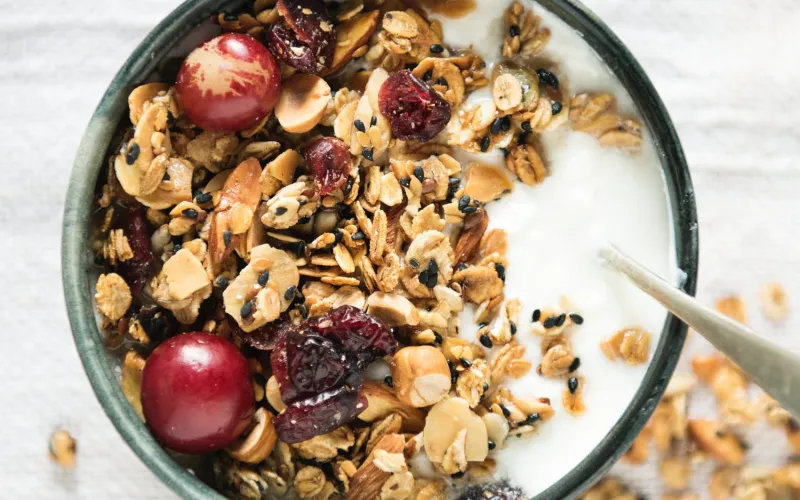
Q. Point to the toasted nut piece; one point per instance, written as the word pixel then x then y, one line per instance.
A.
pixel 393 309
pixel 141 95
pixel 350 36
pixel 279 172
pixel 382 402
pixel 302 102
pixel 712 439
pixel 496 428
pixel 445 420
pixel 475 225
pixel 62 448
pixel 368 480
pixel 185 275
pixel 257 445
pixel 421 375
pixel 273 392
pixel 485 183
pixel 131 382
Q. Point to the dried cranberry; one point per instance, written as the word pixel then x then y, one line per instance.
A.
pixel 413 108
pixel 268 336
pixel 361 334
pixel 137 271
pixel 156 322
pixel 321 413
pixel 328 158
pixel 284 44
pixel 316 364
pixel 307 37
pixel 280 369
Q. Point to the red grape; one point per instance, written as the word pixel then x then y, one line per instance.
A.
pixel 197 394
pixel 413 108
pixel 229 83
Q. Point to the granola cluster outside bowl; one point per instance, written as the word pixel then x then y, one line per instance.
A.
pixel 112 110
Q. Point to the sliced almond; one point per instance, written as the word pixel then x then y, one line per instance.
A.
pixel 485 183
pixel 273 394
pixel 368 480
pixel 302 102
pixel 350 36
pixel 259 443
pixel 445 420
pixel 475 225
pixel 393 309
pixel 382 402
pixel 131 383
pixel 185 275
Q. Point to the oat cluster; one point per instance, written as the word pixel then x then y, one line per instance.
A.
pixel 682 443
pixel 228 233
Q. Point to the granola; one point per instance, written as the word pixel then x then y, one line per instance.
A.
pixel 333 235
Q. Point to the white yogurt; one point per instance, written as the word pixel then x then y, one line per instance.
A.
pixel 593 195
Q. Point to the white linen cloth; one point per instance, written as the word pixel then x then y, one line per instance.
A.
pixel 727 70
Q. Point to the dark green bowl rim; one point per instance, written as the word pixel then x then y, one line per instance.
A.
pixel 91 156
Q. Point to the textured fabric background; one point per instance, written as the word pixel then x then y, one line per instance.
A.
pixel 727 69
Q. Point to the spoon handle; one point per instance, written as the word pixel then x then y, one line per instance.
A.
pixel 774 368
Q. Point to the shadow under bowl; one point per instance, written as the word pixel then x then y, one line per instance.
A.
pixel 105 123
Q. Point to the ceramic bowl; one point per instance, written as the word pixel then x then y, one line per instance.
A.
pixel 154 52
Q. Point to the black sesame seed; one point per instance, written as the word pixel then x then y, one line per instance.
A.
pixel 337 236
pixel 492 445
pixel 359 125
pixel 436 48
pixel 465 363
pixel 547 78
pixel 373 121
pixel 368 153
pixel 165 177
pixel 462 266
pixel 349 185
pixel 389 15
pixel 561 319
pixel 263 278
pixel 432 280
pixel 437 338
pixel 576 318
pixel 505 411
pixel 231 18
pixel 190 213
pixel 289 295
pixel 299 248
pixel 203 198
pixel 132 154
pixel 576 363
pixel 281 210
pixel 303 311
pixel 423 277
pixel 513 328
pixel 405 181
pixel 505 123
pixel 532 418
pixel 536 315
pixel 486 341
pixel 358 236
pixel 453 181
pixel 388 380
pixel 557 107
pixel 246 309
pixel 572 385
pixel 514 31
pixel 457 475
pixel 501 271
pixel 495 128
pixel 550 322
pixel 442 81
pixel 485 386
pixel 463 202
pixel 433 267
pixel 485 142
pixel 414 263
pixel 470 210
pixel 526 126
pixel 227 236
pixel 176 247
pixel 223 282
pixel 419 174
pixel 428 75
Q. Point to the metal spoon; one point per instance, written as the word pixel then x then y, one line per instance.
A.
pixel 774 368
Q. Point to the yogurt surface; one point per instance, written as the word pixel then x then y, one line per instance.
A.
pixel 593 195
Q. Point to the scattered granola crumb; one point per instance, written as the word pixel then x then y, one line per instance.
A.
pixel 733 307
pixel 774 302
pixel 63 448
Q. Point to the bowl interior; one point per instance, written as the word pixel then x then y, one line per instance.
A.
pixel 154 53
